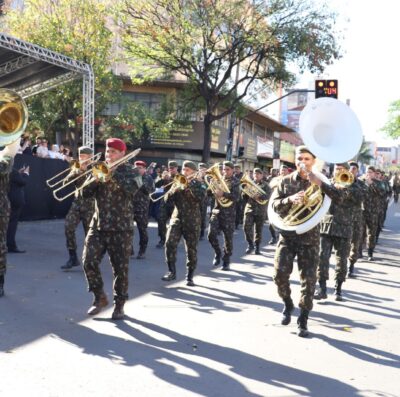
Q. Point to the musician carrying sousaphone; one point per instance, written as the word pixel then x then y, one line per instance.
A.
pixel 111 228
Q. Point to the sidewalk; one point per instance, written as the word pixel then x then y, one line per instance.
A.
pixel 220 338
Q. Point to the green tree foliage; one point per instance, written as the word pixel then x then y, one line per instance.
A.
pixel 76 28
pixel 206 40
pixel 392 126
pixel 364 156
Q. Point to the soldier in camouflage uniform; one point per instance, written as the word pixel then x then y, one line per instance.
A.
pixel 336 230
pixel 185 221
pixel 223 218
pixel 380 175
pixel 290 191
pixel 240 204
pixel 81 209
pixel 375 193
pixel 6 161
pixel 204 204
pixel 165 210
pixel 111 229
pixel 141 203
pixel 255 213
pixel 358 220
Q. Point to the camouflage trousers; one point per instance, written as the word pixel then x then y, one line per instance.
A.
pixel 203 215
pixel 253 223
pixel 119 246
pixel 240 204
pixel 164 214
pixel 356 240
pixel 370 229
pixel 342 250
pixel 190 232
pixel 227 227
pixel 142 221
pixel 3 244
pixel 307 260
pixel 75 215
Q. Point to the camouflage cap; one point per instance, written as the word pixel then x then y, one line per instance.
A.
pixel 203 165
pixel 258 170
pixel 303 149
pixel 190 164
pixel 344 165
pixel 172 163
pixel 85 150
pixel 228 164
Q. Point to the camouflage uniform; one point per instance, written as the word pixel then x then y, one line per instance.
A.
pixel 383 206
pixel 141 203
pixel 290 245
pixel 111 230
pixel 203 213
pixel 223 219
pixel 336 230
pixel 5 169
pixel 375 192
pixel 240 204
pixel 186 222
pixel 81 210
pixel 255 215
pixel 164 212
pixel 358 224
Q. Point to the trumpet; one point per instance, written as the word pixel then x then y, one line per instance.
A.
pixel 75 166
pixel 179 182
pixel 100 171
pixel 252 190
pixel 215 182
pixel 344 178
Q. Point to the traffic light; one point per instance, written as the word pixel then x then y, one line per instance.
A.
pixel 326 88
pixel 241 151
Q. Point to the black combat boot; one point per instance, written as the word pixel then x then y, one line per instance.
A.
pixel 72 261
pixel 351 269
pixel 287 311
pixel 160 244
pixel 171 275
pixel 118 313
pixel 1 285
pixel 201 235
pixel 370 254
pixel 257 251
pixel 100 301
pixel 225 264
pixel 217 259
pixel 189 278
pixel 250 248
pixel 302 323
pixel 141 254
pixel 338 291
pixel 320 293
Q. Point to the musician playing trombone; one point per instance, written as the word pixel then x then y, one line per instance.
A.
pixel 185 221
pixel 111 228
pixel 81 210
pixel 255 213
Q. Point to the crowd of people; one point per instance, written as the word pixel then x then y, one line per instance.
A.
pixel 43 149
pixel 221 198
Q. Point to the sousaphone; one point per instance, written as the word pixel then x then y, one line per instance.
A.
pixel 332 131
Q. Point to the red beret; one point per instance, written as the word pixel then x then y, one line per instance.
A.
pixel 140 163
pixel 116 143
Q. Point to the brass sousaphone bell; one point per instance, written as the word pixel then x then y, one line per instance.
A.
pixel 13 116
pixel 332 132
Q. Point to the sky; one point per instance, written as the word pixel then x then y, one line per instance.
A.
pixel 369 71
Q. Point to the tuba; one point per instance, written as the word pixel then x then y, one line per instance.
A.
pixel 332 131
pixel 13 116
pixel 215 182
pixel 252 189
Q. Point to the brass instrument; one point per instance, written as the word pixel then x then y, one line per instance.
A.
pixel 249 187
pixel 75 166
pixel 344 178
pixel 100 171
pixel 179 182
pixel 215 182
pixel 13 116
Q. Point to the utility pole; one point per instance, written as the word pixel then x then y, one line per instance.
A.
pixel 232 125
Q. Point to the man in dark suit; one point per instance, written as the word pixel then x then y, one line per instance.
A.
pixel 16 195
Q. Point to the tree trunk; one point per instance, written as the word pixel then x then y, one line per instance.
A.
pixel 207 139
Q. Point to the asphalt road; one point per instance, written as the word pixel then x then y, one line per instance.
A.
pixel 220 338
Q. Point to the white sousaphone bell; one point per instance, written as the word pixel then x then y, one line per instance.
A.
pixel 332 131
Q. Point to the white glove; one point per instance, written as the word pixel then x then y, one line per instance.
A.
pixel 11 149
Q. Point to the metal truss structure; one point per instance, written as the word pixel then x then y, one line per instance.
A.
pixel 30 69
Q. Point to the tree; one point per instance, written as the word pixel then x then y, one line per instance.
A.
pixel 392 127
pixel 206 40
pixel 76 28
pixel 364 155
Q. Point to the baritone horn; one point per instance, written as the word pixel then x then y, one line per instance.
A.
pixel 252 190
pixel 215 182
pixel 13 116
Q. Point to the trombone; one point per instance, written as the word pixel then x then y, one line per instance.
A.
pixel 179 182
pixel 75 166
pixel 100 171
